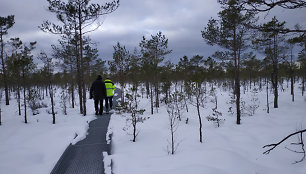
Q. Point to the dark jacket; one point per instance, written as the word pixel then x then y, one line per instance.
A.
pixel 98 90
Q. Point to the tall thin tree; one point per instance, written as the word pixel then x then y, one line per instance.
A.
pixel 230 33
pixel 27 66
pixel 154 51
pixel 5 24
pixel 49 68
pixel 270 39
pixel 14 66
pixel 78 17
pixel 119 65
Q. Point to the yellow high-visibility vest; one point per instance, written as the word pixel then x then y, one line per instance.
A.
pixel 110 87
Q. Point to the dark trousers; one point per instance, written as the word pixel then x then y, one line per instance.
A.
pixel 110 100
pixel 99 111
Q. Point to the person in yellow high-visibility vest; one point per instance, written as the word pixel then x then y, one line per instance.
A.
pixel 110 88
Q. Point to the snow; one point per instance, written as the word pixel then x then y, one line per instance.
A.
pixel 107 163
pixel 35 147
pixel 229 149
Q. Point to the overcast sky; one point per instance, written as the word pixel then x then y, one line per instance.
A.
pixel 180 20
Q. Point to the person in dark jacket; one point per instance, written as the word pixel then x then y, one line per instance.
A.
pixel 98 93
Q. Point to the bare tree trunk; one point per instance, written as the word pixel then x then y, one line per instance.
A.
pixel 176 103
pixel 237 78
pixel 24 96
pixel 134 126
pixel 52 101
pixel 147 89
pixel 83 83
pixel 18 99
pixel 199 115
pixel 79 79
pixel 303 86
pixel 151 96
pixel 172 140
pixel 7 101
pixel 72 95
pixel 136 93
pixel 275 87
pixel 275 74
pixel 292 76
pixel 72 87
pixel 84 98
pixel 80 93
pixel 82 62
pixel 157 95
pixel 292 87
pixel 0 116
pixel 267 83
pixel 25 105
pixel 237 89
pixel 172 135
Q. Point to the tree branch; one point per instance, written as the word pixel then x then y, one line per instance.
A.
pixel 272 146
pixel 264 6
pixel 276 30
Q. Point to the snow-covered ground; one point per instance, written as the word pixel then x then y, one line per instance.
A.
pixel 35 147
pixel 229 149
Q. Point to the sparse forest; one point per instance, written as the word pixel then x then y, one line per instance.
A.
pixel 246 60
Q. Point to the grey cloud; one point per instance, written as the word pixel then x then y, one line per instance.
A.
pixel 180 20
pixel 29 14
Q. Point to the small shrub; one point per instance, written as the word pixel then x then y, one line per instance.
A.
pixel 34 100
pixel 215 117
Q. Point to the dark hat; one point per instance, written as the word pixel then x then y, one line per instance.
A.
pixel 99 77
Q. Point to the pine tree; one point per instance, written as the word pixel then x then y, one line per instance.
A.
pixel 154 51
pixel 14 67
pixel 119 65
pixel 27 66
pixel 270 41
pixel 5 24
pixel 77 17
pixel 49 68
pixel 230 32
